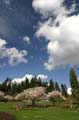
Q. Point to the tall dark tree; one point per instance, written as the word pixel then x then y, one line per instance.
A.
pixel 15 88
pixel 6 85
pixel 33 82
pixel 39 82
pixel 50 86
pixel 64 90
pixel 74 84
pixel 27 84
pixel 57 87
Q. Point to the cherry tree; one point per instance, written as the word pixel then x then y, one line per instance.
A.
pixel 34 94
pixel 55 96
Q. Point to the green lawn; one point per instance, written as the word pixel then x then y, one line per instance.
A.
pixel 40 114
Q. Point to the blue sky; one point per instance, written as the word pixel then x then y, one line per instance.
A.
pixel 31 41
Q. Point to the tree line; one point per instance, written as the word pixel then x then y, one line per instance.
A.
pixel 13 88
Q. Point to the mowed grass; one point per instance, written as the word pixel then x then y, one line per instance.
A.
pixel 40 114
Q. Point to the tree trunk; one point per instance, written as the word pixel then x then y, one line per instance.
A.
pixel 33 103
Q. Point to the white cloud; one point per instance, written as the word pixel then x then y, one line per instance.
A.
pixel 29 77
pixel 2 43
pixel 62 33
pixel 19 80
pixel 47 7
pixel 26 39
pixel 56 8
pixel 69 91
pixel 42 76
pixel 63 45
pixel 13 54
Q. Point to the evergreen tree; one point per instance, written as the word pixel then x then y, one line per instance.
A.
pixel 33 82
pixel 27 84
pixel 6 85
pixel 74 84
pixel 64 90
pixel 57 87
pixel 39 82
pixel 14 88
pixel 9 88
pixel 50 86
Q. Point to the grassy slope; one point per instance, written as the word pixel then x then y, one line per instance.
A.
pixel 43 114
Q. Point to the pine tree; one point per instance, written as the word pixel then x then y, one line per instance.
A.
pixel 6 85
pixel 27 84
pixel 50 86
pixel 64 90
pixel 14 88
pixel 74 84
pixel 39 82
pixel 57 87
pixel 33 82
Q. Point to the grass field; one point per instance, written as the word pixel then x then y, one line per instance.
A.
pixel 40 114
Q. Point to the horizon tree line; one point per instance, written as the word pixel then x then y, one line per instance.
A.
pixel 13 88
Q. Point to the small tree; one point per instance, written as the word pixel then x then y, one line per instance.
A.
pixel 19 97
pixel 8 98
pixel 55 96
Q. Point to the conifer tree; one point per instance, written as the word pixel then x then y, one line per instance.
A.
pixel 64 90
pixel 57 87
pixel 74 84
pixel 50 86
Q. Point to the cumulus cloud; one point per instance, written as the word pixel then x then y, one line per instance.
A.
pixel 69 91
pixel 63 43
pixel 2 43
pixel 27 39
pixel 62 33
pixel 42 76
pixel 19 80
pixel 45 7
pixel 13 54
pixel 29 77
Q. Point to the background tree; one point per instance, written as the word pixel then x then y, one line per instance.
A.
pixel 27 84
pixel 50 86
pixel 39 82
pixel 64 90
pixel 57 87
pixel 33 82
